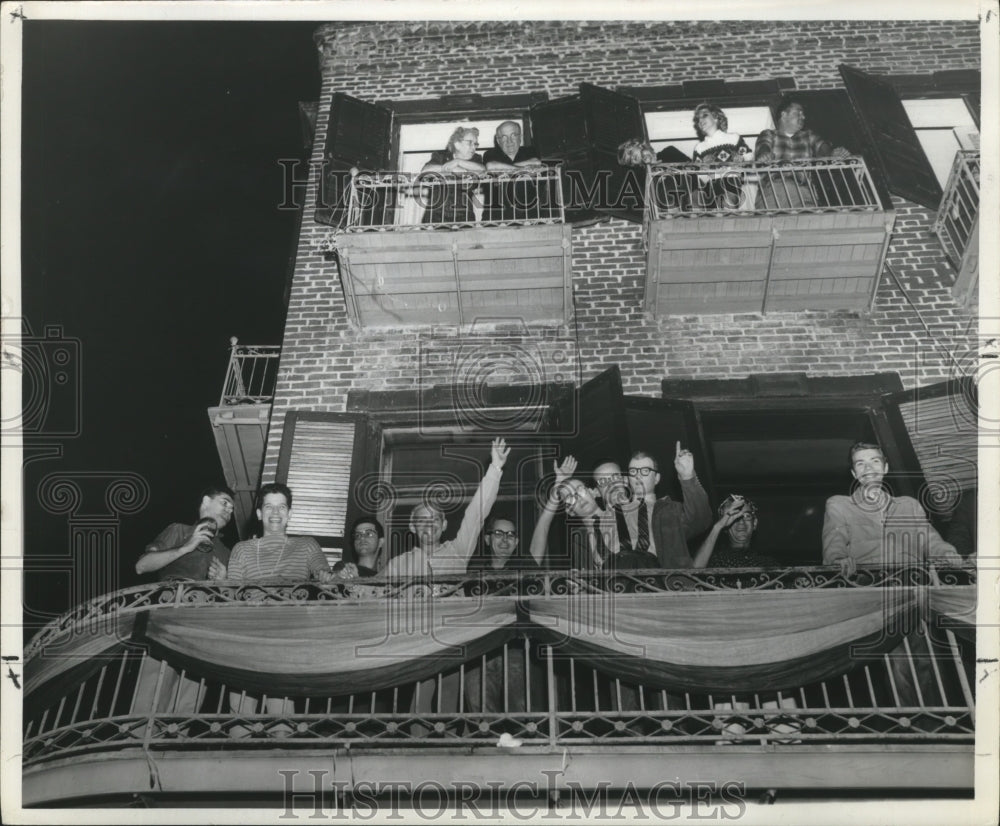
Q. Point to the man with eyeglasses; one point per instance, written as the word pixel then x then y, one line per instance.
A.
pixel 431 555
pixel 663 526
pixel 368 539
pixel 872 527
pixel 500 538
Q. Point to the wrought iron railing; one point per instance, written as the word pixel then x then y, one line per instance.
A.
pixel 251 374
pixel 523 689
pixel 693 190
pixel 381 201
pixel 959 210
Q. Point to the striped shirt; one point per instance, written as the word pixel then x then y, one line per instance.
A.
pixel 291 557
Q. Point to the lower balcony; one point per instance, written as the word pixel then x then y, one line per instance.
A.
pixel 802 235
pixel 792 679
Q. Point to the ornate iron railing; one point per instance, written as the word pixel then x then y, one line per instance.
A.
pixel 382 201
pixel 251 374
pixel 693 190
pixel 524 688
pixel 959 208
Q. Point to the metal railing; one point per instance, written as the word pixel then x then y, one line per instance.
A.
pixel 693 190
pixel 959 208
pixel 433 200
pixel 524 688
pixel 251 375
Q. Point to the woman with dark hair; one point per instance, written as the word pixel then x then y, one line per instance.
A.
pixel 446 202
pixel 718 146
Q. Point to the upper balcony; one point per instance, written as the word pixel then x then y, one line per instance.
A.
pixel 794 678
pixel 443 249
pixel 800 235
pixel 240 420
pixel 957 225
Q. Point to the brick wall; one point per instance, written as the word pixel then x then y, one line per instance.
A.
pixel 323 357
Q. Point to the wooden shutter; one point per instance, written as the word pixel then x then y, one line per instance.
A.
pixel 655 426
pixel 323 455
pixel 593 421
pixel 559 132
pixel 892 137
pixel 358 134
pixel 613 118
pixel 940 422
pixel 830 115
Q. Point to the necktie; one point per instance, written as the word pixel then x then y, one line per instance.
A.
pixel 599 547
pixel 642 544
pixel 624 542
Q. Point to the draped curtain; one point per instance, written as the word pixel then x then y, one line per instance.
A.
pixel 683 641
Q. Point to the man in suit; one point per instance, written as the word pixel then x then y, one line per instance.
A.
pixel 663 526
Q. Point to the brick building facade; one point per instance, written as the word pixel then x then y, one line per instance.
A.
pixel 915 327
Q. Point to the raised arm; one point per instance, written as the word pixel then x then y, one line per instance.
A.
pixel 481 504
pixel 540 536
pixel 697 513
pixel 704 553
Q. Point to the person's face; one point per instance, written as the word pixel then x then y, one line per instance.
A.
pixel 611 483
pixel 868 466
pixel 792 119
pixel 366 542
pixel 428 524
pixel 642 477
pixel 501 539
pixel 509 138
pixel 465 148
pixel 219 507
pixel 273 513
pixel 707 122
pixel 741 531
pixel 577 499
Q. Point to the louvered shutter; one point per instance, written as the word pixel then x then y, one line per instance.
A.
pixel 323 455
pixel 892 137
pixel 559 132
pixel 941 421
pixel 830 115
pixel 593 417
pixel 359 134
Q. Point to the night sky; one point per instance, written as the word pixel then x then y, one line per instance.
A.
pixel 151 233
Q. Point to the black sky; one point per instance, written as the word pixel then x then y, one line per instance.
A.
pixel 151 232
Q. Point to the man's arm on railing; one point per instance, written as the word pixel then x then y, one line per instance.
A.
pixel 837 538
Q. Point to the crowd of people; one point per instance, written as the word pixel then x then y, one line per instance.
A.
pixel 615 521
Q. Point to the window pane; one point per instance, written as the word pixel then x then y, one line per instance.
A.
pixel 674 128
pixel 943 127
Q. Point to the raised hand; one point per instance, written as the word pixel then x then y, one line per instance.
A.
pixel 684 463
pixel 565 470
pixel 499 453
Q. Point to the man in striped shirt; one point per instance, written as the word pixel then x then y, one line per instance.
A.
pixel 276 554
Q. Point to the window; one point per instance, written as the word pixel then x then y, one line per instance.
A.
pixel 943 127
pixel 674 128
pixel 418 140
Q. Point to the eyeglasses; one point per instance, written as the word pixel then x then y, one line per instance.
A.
pixel 504 534
pixel 366 534
pixel 610 479
pixel 568 495
pixel 641 471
